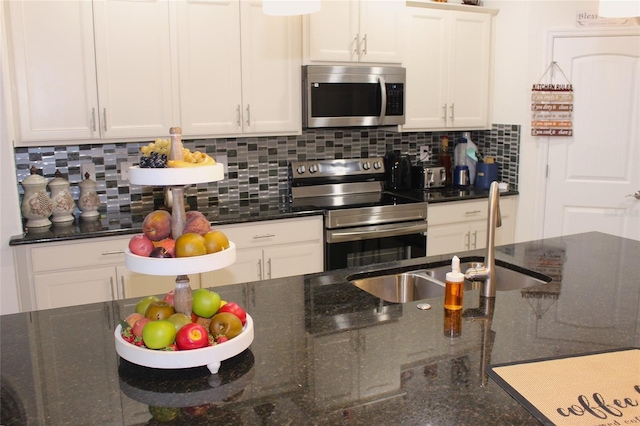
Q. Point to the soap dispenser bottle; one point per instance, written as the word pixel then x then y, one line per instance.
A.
pixel 454 286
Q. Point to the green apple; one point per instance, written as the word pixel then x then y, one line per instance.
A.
pixel 179 320
pixel 158 334
pixel 143 304
pixel 205 302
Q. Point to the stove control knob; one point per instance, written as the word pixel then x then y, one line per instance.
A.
pixel 366 165
pixel 301 170
pixel 377 165
pixel 313 168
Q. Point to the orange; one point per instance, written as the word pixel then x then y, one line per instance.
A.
pixel 190 244
pixel 216 241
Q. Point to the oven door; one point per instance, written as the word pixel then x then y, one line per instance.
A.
pixel 367 245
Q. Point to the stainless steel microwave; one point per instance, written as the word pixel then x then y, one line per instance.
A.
pixel 346 96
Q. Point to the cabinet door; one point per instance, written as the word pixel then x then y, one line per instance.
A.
pixel 247 268
pixel 333 32
pixel 468 70
pixel 132 284
pixel 449 238
pixel 380 31
pixel 209 63
pixel 58 289
pixel 55 75
pixel 133 57
pixel 271 71
pixel 425 59
pixel 293 259
pixel 379 371
pixel 279 343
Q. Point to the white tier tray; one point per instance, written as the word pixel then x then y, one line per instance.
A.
pixel 211 356
pixel 180 265
pixel 176 175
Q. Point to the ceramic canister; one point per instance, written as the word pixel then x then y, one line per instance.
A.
pixel 63 204
pixel 36 205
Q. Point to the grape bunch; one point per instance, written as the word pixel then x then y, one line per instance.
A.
pixel 154 154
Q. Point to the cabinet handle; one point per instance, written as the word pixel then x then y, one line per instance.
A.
pixel 259 268
pixel 356 45
pixel 257 237
pixel 269 268
pixel 248 115
pixel 93 119
pixel 472 212
pixel 444 113
pixel 238 115
pixel 104 119
pixel 113 296
pixel 467 237
pixel 110 252
pixel 122 287
pixel 475 239
pixel 364 41
pixel 452 112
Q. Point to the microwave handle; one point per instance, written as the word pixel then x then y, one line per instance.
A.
pixel 383 109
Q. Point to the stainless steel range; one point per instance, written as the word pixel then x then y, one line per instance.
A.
pixel 364 224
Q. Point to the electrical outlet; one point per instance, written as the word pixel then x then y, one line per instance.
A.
pixel 124 170
pixel 425 153
pixel 88 168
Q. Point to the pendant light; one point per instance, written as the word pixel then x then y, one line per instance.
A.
pixel 290 7
pixel 619 8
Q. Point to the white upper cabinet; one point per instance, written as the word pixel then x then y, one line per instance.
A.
pixel 54 73
pixel 449 61
pixel 91 70
pixel 239 69
pixel 133 58
pixel 368 31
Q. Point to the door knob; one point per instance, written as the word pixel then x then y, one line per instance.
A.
pixel 636 195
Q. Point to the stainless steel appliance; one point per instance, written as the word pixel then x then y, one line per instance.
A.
pixel 364 224
pixel 341 96
pixel 428 177
pixel 398 171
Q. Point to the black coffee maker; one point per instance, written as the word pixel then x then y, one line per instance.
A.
pixel 398 171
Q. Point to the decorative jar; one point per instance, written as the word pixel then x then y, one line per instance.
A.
pixel 63 204
pixel 36 205
pixel 88 202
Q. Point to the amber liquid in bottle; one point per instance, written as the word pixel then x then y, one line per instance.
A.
pixel 453 295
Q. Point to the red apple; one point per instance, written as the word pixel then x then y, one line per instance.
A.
pixel 139 325
pixel 169 298
pixel 141 245
pixel 131 319
pixel 235 309
pixel 192 336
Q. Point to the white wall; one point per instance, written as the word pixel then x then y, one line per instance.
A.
pixel 9 199
pixel 522 28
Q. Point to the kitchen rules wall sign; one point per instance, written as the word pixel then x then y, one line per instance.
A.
pixel 552 107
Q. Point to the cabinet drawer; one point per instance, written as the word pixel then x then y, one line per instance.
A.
pixel 463 211
pixel 78 254
pixel 274 232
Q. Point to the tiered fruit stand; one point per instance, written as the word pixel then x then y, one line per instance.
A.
pixel 177 179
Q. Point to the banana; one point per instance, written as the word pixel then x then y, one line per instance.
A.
pixel 206 161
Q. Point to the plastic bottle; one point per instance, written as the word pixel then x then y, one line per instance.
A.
pixel 454 286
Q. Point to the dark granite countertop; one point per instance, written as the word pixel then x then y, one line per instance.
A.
pixel 111 224
pixel 327 353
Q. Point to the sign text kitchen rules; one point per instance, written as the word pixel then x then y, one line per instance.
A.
pixel 552 107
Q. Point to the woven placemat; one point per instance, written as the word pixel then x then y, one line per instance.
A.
pixel 595 389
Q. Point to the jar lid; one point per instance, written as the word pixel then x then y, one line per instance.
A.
pixel 34 178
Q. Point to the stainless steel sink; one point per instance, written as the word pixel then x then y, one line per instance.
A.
pixel 428 283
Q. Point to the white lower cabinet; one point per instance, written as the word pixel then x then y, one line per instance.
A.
pixel 455 227
pixel 354 365
pixel 53 275
pixel 271 249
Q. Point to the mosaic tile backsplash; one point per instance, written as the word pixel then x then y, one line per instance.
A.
pixel 257 167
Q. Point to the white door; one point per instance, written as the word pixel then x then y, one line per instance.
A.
pixel 593 174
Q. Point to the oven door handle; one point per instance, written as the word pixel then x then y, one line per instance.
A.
pixel 379 231
pixel 383 107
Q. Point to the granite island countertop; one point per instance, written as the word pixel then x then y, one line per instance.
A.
pixel 328 353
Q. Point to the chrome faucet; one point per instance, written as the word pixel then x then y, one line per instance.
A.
pixel 486 272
